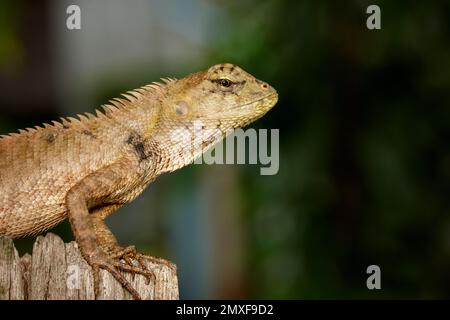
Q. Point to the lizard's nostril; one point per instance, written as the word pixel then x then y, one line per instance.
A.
pixel 264 86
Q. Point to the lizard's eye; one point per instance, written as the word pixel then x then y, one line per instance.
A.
pixel 224 82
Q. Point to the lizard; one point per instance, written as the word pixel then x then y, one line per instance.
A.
pixel 86 168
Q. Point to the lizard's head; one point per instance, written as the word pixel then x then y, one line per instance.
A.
pixel 204 106
pixel 224 93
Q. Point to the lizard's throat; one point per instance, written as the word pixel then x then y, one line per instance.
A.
pixel 182 148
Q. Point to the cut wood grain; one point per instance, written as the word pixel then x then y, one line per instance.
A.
pixel 57 271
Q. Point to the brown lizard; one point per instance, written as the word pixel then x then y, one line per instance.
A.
pixel 84 169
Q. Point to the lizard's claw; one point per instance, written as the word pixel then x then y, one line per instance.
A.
pixel 129 254
pixel 112 264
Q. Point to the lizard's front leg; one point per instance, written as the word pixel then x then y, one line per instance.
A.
pixel 92 191
pixel 108 242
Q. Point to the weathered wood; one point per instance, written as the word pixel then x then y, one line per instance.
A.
pixel 11 282
pixel 57 271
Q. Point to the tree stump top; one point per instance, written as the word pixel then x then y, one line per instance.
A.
pixel 57 271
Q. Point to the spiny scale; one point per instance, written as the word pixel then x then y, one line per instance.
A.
pixel 109 109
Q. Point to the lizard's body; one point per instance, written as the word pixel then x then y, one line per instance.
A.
pixel 39 166
pixel 87 168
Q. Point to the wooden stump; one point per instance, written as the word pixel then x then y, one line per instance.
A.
pixel 57 271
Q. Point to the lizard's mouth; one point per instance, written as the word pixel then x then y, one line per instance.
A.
pixel 265 102
pixel 244 114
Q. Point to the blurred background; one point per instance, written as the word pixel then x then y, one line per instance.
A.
pixel 364 121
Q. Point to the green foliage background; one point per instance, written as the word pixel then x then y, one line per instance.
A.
pixel 365 160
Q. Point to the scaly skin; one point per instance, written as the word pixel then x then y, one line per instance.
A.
pixel 84 169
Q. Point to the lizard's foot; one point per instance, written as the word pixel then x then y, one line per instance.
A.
pixel 130 253
pixel 112 264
